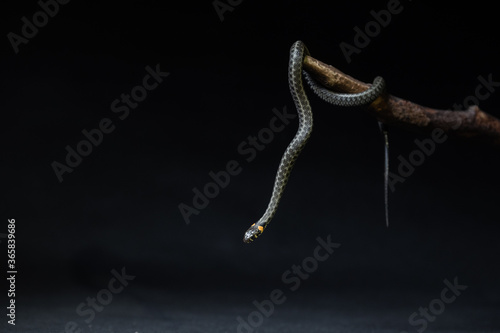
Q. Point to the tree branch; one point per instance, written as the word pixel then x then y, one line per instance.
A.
pixel 391 110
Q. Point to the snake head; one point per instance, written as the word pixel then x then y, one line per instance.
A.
pixel 252 233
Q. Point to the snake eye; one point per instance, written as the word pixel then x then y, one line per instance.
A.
pixel 252 233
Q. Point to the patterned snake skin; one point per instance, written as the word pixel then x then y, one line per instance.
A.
pixel 297 53
pixel 361 98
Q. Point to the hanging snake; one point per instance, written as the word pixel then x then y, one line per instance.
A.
pixel 295 72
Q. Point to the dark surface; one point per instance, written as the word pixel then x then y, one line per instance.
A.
pixel 148 310
pixel 119 206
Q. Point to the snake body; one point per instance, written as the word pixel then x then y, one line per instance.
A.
pixel 383 130
pixel 295 82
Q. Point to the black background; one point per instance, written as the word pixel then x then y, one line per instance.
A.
pixel 119 207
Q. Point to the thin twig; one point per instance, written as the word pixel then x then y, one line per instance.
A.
pixel 471 123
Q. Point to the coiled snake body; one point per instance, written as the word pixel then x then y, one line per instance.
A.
pixel 297 53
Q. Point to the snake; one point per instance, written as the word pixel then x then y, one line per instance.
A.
pixel 384 131
pixel 295 81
